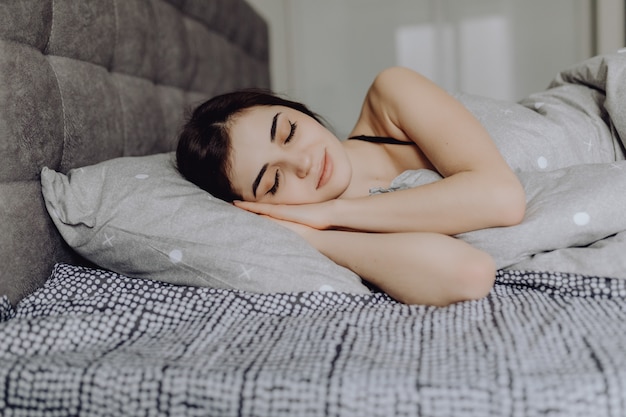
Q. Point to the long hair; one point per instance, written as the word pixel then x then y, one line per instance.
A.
pixel 204 144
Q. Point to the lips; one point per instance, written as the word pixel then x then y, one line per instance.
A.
pixel 326 170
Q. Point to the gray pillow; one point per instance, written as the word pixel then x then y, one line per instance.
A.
pixel 137 216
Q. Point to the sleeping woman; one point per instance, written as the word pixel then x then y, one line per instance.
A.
pixel 274 157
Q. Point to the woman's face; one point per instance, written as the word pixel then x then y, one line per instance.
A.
pixel 282 156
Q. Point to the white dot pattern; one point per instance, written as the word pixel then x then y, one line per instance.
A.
pixel 582 218
pixel 92 342
pixel 176 255
pixel 542 162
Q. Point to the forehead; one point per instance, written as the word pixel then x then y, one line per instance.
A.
pixel 251 127
pixel 254 122
pixel 254 118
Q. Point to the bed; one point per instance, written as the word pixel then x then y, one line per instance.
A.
pixel 126 291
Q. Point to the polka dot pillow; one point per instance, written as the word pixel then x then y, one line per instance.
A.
pixel 137 216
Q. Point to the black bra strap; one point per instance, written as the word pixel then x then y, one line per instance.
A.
pixel 381 139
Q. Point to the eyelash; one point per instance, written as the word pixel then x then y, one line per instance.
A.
pixel 293 126
pixel 274 188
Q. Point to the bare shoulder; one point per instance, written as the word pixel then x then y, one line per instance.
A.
pixel 391 89
pixel 391 81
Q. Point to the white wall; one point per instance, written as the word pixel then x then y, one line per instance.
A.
pixel 326 52
pixel 611 25
pixel 277 13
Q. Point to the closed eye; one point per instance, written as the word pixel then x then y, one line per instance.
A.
pixel 293 126
pixel 274 188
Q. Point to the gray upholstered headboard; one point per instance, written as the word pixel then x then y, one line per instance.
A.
pixel 83 81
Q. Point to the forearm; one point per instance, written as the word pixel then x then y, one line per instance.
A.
pixel 460 203
pixel 415 268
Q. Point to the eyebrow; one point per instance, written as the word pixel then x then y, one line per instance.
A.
pixel 257 181
pixel 273 129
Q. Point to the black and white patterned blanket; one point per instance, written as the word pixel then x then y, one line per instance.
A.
pixel 99 344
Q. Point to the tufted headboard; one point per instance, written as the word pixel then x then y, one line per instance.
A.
pixel 82 81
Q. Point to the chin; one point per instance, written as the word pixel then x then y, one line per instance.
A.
pixel 344 178
pixel 339 190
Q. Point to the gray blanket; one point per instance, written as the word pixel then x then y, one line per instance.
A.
pixel 567 146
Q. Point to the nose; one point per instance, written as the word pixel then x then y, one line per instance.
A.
pixel 300 163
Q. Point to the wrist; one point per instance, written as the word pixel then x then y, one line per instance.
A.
pixel 333 217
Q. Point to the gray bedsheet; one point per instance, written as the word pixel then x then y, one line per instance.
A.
pixel 95 343
pixel 566 145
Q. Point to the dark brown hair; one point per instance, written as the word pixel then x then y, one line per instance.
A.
pixel 203 151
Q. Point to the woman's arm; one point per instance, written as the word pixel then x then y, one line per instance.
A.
pixel 414 268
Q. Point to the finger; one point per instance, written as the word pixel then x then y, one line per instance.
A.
pixel 250 206
pixel 276 211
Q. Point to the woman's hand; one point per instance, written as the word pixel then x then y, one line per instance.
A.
pixel 316 216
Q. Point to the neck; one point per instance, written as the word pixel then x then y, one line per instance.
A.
pixel 364 176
